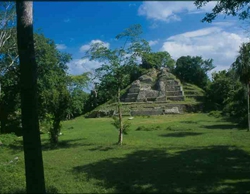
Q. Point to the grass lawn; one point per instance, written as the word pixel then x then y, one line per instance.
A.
pixel 193 153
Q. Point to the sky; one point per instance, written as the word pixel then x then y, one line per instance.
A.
pixel 172 26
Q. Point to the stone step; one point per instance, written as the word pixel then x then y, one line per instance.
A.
pixel 159 111
pixel 130 99
pixel 173 88
pixel 172 82
pixel 175 98
pixel 174 93
pixel 131 95
pixel 146 112
pixel 134 90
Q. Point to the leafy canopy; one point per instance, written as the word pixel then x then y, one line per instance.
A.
pixel 157 60
pixel 118 63
pixel 193 70
pixel 238 8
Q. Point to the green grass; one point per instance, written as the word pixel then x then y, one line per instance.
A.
pixel 193 153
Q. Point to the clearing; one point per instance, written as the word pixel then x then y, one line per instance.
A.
pixel 193 153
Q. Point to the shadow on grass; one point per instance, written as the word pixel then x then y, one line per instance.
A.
pixel 200 121
pixel 101 148
pixel 189 122
pixel 180 134
pixel 18 146
pixel 221 126
pixel 216 169
pixel 49 190
pixel 73 143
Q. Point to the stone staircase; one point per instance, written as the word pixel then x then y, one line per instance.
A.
pixel 174 91
pixel 132 93
pixel 165 88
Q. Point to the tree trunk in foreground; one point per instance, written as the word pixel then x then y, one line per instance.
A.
pixel 120 139
pixel 31 136
pixel 248 113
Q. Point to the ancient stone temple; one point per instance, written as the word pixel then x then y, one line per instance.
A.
pixel 155 86
pixel 157 92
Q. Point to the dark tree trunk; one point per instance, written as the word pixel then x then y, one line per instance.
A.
pixel 31 136
pixel 54 132
pixel 4 118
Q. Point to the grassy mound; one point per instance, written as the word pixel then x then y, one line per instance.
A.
pixel 193 92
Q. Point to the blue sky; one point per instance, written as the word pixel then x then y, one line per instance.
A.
pixel 175 27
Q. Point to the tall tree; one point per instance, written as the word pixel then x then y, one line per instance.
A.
pixel 31 136
pixel 157 60
pixel 8 56
pixel 76 86
pixel 117 63
pixel 193 70
pixel 238 8
pixel 218 91
pixel 242 69
pixel 7 22
pixel 53 95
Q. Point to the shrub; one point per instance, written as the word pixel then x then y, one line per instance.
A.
pixel 215 113
pixel 126 125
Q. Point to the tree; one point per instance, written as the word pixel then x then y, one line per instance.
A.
pixel 193 70
pixel 118 62
pixel 219 90
pixel 7 22
pixel 8 60
pixel 157 60
pixel 53 94
pixel 238 8
pixel 76 85
pixel 31 136
pixel 242 69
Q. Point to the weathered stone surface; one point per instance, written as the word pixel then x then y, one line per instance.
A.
pixel 173 88
pixel 174 110
pixel 174 93
pixel 147 95
pixel 157 86
pixel 146 79
pixel 146 112
pixel 175 98
pixel 161 99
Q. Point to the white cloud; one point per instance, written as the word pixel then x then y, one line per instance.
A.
pixel 86 47
pixel 170 10
pixel 61 46
pixel 224 24
pixel 152 42
pixel 79 66
pixel 213 42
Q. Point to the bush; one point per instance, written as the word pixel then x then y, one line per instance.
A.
pixel 215 113
pixel 7 139
pixel 126 125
